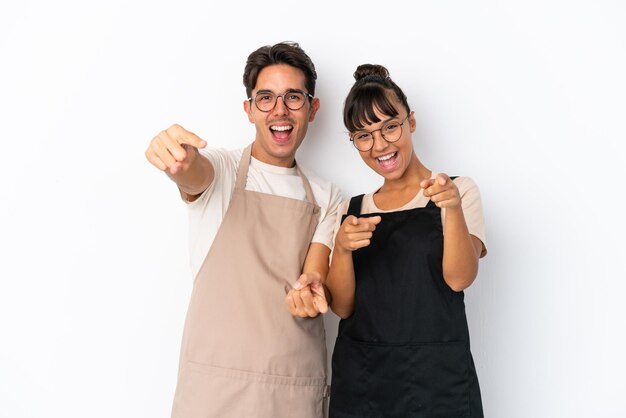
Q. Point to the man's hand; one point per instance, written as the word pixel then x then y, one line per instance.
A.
pixel 174 149
pixel 307 298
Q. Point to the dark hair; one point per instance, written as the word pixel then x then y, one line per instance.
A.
pixel 369 93
pixel 288 53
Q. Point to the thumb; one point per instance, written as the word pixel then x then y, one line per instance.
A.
pixel 442 178
pixel 192 139
pixel 306 279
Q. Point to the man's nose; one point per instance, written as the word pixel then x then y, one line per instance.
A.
pixel 280 108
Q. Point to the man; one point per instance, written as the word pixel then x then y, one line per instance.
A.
pixel 257 223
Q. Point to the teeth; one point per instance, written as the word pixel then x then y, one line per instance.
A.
pixel 386 157
pixel 281 128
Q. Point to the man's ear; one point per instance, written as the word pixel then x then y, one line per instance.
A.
pixel 248 109
pixel 315 105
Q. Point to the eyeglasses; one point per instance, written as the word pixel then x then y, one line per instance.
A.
pixel 266 100
pixel 390 131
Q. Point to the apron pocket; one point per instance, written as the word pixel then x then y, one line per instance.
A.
pixel 439 374
pixel 209 391
pixel 417 380
pixel 348 386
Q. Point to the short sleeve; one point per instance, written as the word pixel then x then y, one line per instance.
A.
pixel 222 162
pixel 472 209
pixel 324 233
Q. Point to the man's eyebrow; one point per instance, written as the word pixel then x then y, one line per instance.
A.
pixel 290 90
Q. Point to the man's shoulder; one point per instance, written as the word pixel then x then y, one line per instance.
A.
pixel 224 161
pixel 317 180
pixel 327 193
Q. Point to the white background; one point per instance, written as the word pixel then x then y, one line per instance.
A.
pixel 526 97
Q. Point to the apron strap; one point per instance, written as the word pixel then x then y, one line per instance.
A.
pixel 307 186
pixel 355 205
pixel 242 169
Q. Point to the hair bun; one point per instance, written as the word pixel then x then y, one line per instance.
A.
pixel 365 70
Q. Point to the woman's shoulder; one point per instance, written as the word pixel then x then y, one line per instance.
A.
pixel 366 203
pixel 466 185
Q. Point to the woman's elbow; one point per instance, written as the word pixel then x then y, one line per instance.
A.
pixel 460 282
pixel 342 312
pixel 459 286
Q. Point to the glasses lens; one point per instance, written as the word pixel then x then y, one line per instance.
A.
pixel 265 101
pixel 363 141
pixel 392 131
pixel 294 100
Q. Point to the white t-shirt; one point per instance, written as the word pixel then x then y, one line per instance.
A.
pixel 470 202
pixel 208 210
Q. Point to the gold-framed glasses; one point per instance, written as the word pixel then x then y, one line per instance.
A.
pixel 390 131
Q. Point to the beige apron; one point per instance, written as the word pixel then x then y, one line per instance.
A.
pixel 243 355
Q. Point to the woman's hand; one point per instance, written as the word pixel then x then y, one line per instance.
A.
pixel 355 233
pixel 442 191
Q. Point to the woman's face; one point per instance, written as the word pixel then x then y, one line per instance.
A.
pixel 389 158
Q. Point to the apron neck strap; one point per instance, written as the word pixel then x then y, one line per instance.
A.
pixel 307 186
pixel 242 175
pixel 242 170
pixel 355 205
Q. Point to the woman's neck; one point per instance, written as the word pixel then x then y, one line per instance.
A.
pixel 396 193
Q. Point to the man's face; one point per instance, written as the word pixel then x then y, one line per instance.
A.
pixel 280 131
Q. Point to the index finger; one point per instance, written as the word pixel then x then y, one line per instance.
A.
pixel 306 279
pixel 183 136
pixel 321 304
pixel 372 220
pixel 426 183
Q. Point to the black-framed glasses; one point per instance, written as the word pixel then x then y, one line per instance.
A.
pixel 265 100
pixel 390 131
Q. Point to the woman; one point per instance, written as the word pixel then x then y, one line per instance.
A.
pixel 402 348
